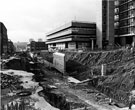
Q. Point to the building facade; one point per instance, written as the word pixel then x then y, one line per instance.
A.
pixel 105 23
pixel 37 46
pixel 3 39
pixel 124 22
pixel 73 35
pixel 115 23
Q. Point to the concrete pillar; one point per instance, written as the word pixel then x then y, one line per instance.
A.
pixel 133 43
pixel 134 38
pixel 123 41
pixel 92 44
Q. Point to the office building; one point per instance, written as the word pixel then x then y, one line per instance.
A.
pixel 3 39
pixel 73 35
pixel 124 22
pixel 37 46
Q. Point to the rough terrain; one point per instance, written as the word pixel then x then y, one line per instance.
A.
pixel 66 92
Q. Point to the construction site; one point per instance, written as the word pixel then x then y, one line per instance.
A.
pixel 96 80
pixel 67 55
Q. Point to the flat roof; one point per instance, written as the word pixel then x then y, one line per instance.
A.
pixel 70 38
pixel 72 23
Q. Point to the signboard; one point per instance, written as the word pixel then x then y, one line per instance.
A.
pixel 59 62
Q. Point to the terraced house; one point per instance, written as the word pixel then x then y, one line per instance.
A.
pixel 73 35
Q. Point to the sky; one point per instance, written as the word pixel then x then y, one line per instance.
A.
pixel 25 19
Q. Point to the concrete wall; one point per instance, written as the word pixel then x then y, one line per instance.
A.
pixel 59 62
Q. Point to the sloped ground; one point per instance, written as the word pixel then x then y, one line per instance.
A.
pixel 87 62
pixel 120 73
pixel 120 76
pixel 119 84
pixel 71 96
pixel 102 57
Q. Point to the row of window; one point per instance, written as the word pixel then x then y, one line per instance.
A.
pixel 127 6
pixel 130 30
pixel 74 30
pixel 127 14
pixel 122 16
pixel 126 22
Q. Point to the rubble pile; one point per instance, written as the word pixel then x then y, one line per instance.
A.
pixel 9 81
pixel 47 56
pixel 92 61
pixel 98 58
pixel 120 72
pixel 17 64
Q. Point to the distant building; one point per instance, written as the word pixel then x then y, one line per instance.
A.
pixel 73 35
pixel 37 46
pixel 20 46
pixel 40 40
pixel 31 39
pixel 28 47
pixel 3 39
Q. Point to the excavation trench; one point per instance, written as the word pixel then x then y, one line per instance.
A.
pixel 45 89
pixel 57 91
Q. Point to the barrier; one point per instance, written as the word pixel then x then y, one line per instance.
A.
pixel 59 62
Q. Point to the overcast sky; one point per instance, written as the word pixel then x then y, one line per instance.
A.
pixel 27 19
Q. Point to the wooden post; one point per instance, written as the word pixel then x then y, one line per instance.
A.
pixel 103 69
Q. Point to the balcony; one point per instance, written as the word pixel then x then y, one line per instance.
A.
pixel 123 2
